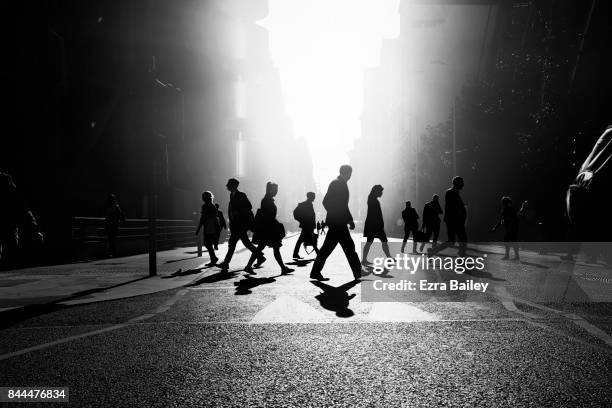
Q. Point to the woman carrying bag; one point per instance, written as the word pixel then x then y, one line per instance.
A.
pixel 268 231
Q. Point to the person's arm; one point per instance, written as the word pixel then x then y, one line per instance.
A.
pixel 500 221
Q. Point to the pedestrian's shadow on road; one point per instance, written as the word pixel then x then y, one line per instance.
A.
pixel 300 262
pixel 483 275
pixel 244 286
pixel 186 272
pixel 336 299
pixel 216 277
pixel 181 259
pixel 540 266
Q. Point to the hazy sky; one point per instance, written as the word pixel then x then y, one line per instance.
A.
pixel 321 48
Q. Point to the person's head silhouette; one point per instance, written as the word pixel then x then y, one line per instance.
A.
pixel 207 197
pixel 217 205
pixel 232 184
pixel 271 189
pixel 435 198
pixel 346 172
pixel 506 201
pixel 408 204
pixel 377 191
pixel 458 183
pixel 310 196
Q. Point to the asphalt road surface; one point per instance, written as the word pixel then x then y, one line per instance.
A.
pixel 539 336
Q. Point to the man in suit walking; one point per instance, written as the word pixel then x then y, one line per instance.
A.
pixel 240 221
pixel 339 219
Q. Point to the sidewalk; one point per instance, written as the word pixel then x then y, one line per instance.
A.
pixel 98 280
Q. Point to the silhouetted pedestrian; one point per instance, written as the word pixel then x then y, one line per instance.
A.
pixel 113 217
pixel 338 218
pixel 431 221
pixel 222 225
pixel 509 218
pixel 374 224
pixel 323 227
pixel 18 226
pixel 268 231
pixel 304 213
pixel 455 215
pixel 241 220
pixel 209 223
pixel 411 225
pixel 318 227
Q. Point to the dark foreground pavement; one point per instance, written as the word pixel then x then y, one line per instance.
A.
pixel 280 340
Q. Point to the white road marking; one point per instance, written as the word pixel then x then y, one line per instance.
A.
pixel 164 307
pixel 287 309
pixel 398 312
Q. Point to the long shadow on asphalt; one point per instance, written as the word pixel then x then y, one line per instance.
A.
pixel 182 272
pixel 15 316
pixel 182 259
pixel 336 299
pixel 244 286
pixel 300 262
pixel 216 277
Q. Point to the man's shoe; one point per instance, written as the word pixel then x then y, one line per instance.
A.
pixel 296 256
pixel 286 270
pixel 249 270
pixel 357 275
pixel 318 276
pixel 260 261
pixel 505 258
pixel 223 265
pixel 212 262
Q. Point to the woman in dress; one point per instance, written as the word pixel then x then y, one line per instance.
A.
pixel 374 225
pixel 209 222
pixel 268 231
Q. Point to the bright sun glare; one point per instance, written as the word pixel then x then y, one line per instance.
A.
pixel 321 48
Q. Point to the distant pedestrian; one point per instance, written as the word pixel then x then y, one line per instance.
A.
pixel 431 221
pixel 339 219
pixel 268 231
pixel 509 219
pixel 318 227
pixel 323 227
pixel 18 226
pixel 241 220
pixel 455 215
pixel 411 225
pixel 222 225
pixel 113 217
pixel 209 223
pixel 304 213
pixel 374 226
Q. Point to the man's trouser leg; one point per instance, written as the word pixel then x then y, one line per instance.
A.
pixel 231 246
pixel 300 240
pixel 348 246
pixel 462 238
pixel 450 242
pixel 331 240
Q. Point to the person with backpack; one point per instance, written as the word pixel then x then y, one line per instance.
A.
pixel 268 231
pixel 241 220
pixel 209 222
pixel 304 213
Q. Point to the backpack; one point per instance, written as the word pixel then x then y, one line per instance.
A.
pixel 299 213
